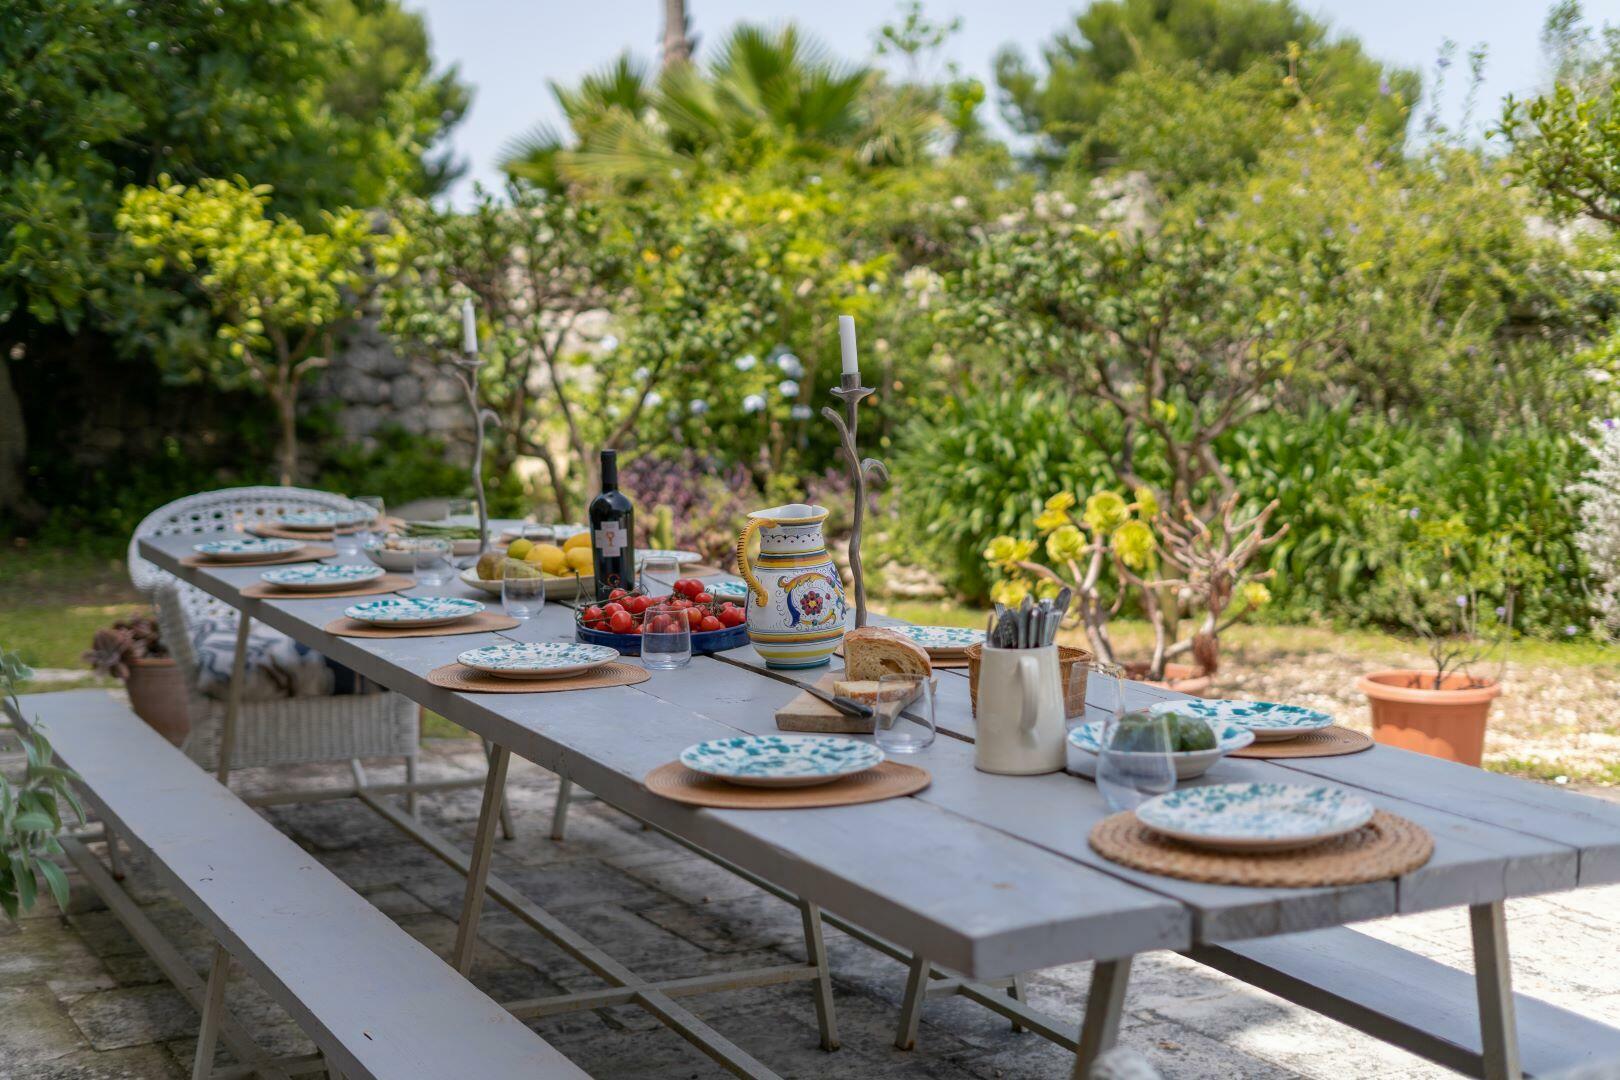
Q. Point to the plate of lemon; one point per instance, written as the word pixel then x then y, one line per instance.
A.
pixel 567 566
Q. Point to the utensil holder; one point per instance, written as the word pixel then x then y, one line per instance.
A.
pixel 1074 694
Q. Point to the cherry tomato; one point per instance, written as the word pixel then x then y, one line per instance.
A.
pixel 621 622
pixel 731 617
pixel 710 623
pixel 689 587
pixel 598 624
pixel 617 594
pixel 704 598
pixel 592 614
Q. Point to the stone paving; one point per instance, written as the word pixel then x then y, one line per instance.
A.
pixel 78 998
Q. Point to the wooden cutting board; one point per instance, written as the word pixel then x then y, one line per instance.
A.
pixel 807 713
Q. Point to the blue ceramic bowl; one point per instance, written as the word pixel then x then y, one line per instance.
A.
pixel 703 641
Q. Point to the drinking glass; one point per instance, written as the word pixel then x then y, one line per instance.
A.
pixel 1097 689
pixel 432 557
pixel 1134 763
pixel 523 591
pixel 367 532
pixel 666 638
pixel 905 713
pixel 536 534
pixel 659 574
pixel 458 509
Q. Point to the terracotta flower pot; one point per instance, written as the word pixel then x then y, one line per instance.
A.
pixel 1449 722
pixel 157 693
pixel 1182 678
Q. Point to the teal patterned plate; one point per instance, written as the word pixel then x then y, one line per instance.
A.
pixel 1269 721
pixel 781 760
pixel 413 610
pixel 318 577
pixel 537 659
pixel 1256 817
pixel 323 519
pixel 245 549
pixel 1189 763
pixel 940 639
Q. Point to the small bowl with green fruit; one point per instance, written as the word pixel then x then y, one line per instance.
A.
pixel 1196 743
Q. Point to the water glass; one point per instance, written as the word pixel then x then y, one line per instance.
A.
pixel 523 591
pixel 666 638
pixel 433 566
pixel 905 713
pixel 458 509
pixel 1098 689
pixel 370 531
pixel 1135 762
pixel 659 574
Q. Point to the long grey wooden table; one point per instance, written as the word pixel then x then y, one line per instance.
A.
pixel 987 875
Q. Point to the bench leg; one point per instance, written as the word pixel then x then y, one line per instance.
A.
pixel 905 1036
pixel 410 780
pixel 1493 981
pixel 213 1004
pixel 233 700
pixel 559 812
pixel 1017 992
pixel 115 861
pixel 1105 1003
pixel 815 949
pixel 472 902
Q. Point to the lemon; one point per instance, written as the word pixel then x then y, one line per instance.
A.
pixel 516 569
pixel 579 558
pixel 549 557
pixel 519 548
pixel 578 540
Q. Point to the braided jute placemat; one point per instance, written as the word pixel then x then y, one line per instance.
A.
pixel 461 677
pixel 889 780
pixel 307 553
pixel 271 529
pixel 485 622
pixel 1387 846
pixel 1325 742
pixel 263 590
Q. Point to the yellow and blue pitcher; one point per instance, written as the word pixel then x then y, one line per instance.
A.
pixel 796 602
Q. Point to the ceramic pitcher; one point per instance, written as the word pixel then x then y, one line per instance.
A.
pixel 795 596
pixel 1021 726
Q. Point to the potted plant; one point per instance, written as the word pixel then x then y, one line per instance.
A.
pixel 1455 591
pixel 132 650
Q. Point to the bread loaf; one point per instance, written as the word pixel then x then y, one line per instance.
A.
pixel 870 691
pixel 871 653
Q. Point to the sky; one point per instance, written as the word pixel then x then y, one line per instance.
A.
pixel 510 50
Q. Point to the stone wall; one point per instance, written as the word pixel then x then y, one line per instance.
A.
pixel 373 387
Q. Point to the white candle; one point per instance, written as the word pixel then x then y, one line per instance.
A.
pixel 846 339
pixel 469 328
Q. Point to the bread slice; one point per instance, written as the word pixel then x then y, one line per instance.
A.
pixel 870 691
pixel 872 652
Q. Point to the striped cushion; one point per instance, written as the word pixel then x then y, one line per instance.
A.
pixel 277 666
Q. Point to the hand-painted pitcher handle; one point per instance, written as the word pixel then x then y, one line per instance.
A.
pixel 746 570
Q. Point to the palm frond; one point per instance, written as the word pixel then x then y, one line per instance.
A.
pixel 532 156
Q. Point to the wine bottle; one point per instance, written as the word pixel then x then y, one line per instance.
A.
pixel 613 531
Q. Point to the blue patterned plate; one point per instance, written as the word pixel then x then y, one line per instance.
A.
pixel 1189 763
pixel 317 577
pixel 245 549
pixel 945 640
pixel 781 760
pixel 1256 817
pixel 537 659
pixel 413 610
pixel 323 519
pixel 1269 721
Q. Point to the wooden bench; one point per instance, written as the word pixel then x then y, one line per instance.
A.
pixel 375 1001
pixel 1421 1005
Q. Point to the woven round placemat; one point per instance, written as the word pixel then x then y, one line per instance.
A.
pixel 1326 742
pixel 1387 846
pixel 485 622
pixel 307 553
pixel 889 780
pixel 263 590
pixel 460 677
pixel 276 532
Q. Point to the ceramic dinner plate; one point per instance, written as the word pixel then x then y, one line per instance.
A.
pixel 680 557
pixel 413 610
pixel 318 577
pixel 1256 817
pixel 781 761
pixel 1269 721
pixel 1189 763
pixel 944 640
pixel 245 549
pixel 322 519
pixel 537 659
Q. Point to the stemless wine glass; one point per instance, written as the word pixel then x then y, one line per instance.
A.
pixel 666 638
pixel 1096 691
pixel 659 574
pixel 905 713
pixel 1134 762
pixel 523 590
pixel 432 558
pixel 457 509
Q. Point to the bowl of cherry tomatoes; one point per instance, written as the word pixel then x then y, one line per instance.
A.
pixel 618 621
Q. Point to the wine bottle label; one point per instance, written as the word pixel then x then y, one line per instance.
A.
pixel 611 538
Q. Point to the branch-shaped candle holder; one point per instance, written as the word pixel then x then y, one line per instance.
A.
pixel 850 392
pixel 466 371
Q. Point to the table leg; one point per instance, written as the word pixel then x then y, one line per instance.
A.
pixel 1105 1003
pixel 1017 992
pixel 559 812
pixel 1493 981
pixel 815 948
pixel 202 1065
pixel 233 700
pixel 472 902
pixel 911 1006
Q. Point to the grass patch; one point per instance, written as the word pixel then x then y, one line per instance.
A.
pixel 435 726
pixel 50 636
pixel 1556 772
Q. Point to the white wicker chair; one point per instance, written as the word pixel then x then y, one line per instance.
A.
pixel 283 732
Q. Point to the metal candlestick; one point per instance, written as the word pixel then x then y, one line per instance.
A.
pixel 850 392
pixel 466 372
